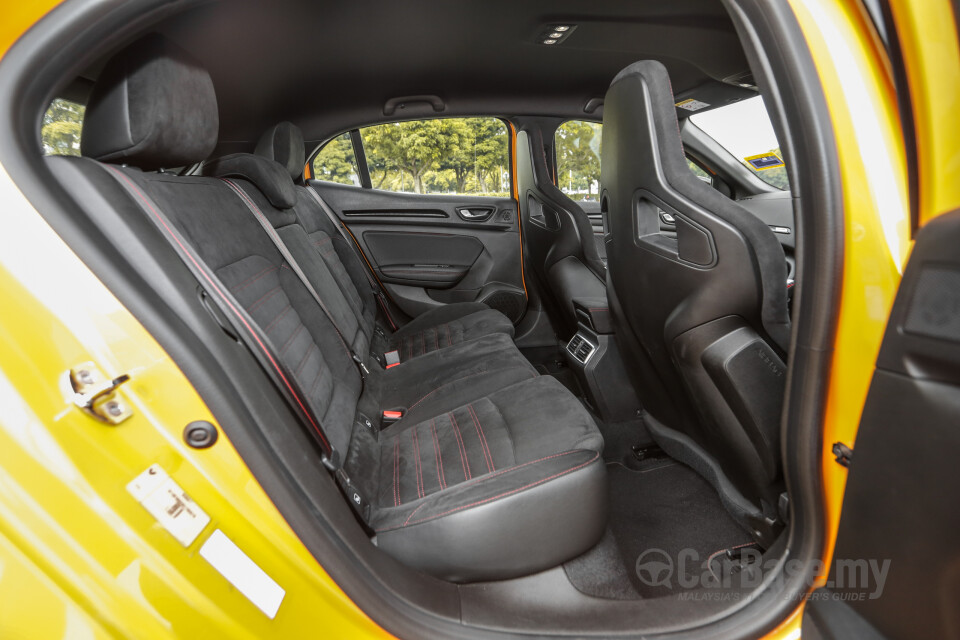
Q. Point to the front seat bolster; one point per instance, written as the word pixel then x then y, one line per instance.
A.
pixel 505 524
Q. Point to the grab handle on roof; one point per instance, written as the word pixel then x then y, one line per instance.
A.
pixel 391 105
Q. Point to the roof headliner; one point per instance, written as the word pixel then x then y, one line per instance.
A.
pixel 331 66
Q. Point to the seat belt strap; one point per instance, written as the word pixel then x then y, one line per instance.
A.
pixel 251 335
pixel 365 267
pixel 295 267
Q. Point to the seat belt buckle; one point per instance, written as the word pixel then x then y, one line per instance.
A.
pixel 392 358
pixel 389 417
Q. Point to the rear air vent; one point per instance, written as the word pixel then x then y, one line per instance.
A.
pixel 580 348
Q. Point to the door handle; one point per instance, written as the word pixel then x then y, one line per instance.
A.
pixel 475 214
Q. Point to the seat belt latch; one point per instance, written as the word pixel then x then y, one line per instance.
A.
pixel 392 358
pixel 389 417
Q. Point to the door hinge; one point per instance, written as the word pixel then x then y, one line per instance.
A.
pixel 95 394
pixel 843 454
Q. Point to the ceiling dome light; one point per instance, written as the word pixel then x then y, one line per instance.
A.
pixel 550 41
pixel 561 27
pixel 556 35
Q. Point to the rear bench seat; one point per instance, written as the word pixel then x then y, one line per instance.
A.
pixel 488 456
pixel 444 326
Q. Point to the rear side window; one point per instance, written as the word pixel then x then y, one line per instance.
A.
pixel 467 156
pixel 578 159
pixel 337 162
pixel 60 130
pixel 448 155
pixel 578 144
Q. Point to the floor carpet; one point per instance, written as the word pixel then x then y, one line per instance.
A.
pixel 660 511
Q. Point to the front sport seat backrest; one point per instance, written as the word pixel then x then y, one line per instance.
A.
pixel 703 310
pixel 557 234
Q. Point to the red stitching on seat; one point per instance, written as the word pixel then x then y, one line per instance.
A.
pixel 283 312
pixel 396 473
pixel 496 497
pixel 418 469
pixel 316 427
pixel 286 344
pixel 305 359
pixel 441 474
pixel 463 448
pixel 423 343
pixel 316 381
pixel 259 301
pixel 449 339
pixel 483 438
pixel 436 338
pixel 252 279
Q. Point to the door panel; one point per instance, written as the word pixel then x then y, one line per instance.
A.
pixel 902 496
pixel 431 250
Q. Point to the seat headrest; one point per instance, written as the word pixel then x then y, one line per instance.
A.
pixel 283 143
pixel 152 107
pixel 268 176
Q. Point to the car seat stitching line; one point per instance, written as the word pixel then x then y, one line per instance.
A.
pixel 286 345
pixel 213 284
pixel 441 474
pixel 493 498
pixel 283 312
pixel 446 384
pixel 306 358
pixel 481 437
pixel 243 285
pixel 418 466
pixel 259 301
pixel 463 453
pixel 396 472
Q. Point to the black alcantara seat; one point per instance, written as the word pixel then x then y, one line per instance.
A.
pixel 493 472
pixel 703 310
pixel 438 328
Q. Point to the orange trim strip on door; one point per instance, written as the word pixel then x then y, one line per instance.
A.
pixel 516 198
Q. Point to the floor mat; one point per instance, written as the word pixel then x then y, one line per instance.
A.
pixel 667 522
pixel 666 528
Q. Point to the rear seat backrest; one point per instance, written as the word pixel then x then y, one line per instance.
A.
pixel 274 196
pixel 134 116
pixel 522 455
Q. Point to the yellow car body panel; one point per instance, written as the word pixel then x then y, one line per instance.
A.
pixel 79 557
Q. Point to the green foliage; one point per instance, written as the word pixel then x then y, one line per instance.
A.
pixel 336 162
pixel 697 171
pixel 578 145
pixel 60 132
pixel 448 155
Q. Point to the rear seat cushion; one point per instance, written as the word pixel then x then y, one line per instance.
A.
pixel 447 326
pixel 471 493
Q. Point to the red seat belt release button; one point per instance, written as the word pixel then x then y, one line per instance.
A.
pixel 389 417
pixel 392 358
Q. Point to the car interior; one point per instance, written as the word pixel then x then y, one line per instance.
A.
pixel 506 388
